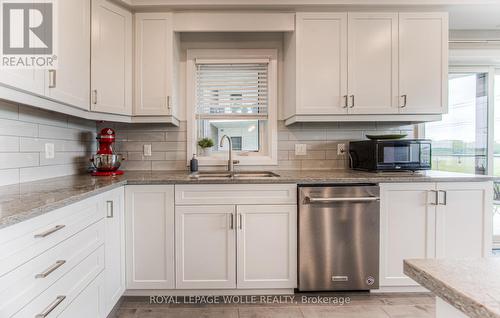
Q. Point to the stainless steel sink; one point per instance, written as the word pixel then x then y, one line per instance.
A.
pixel 217 175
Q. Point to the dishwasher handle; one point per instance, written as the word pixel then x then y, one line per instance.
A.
pixel 347 199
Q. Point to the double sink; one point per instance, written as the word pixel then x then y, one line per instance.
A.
pixel 226 175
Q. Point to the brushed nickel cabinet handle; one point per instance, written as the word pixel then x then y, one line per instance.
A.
pixel 51 307
pixel 52 78
pixel 241 221
pixel 109 209
pixel 51 269
pixel 231 221
pixel 48 232
pixel 352 101
pixel 436 197
pixel 94 97
pixel 404 97
pixel 445 199
pixel 346 102
pixel 169 102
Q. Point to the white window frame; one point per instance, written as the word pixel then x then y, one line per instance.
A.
pixel 226 56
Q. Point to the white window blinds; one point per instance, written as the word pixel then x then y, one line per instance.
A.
pixel 231 90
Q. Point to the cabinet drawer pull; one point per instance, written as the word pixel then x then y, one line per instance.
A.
pixel 51 307
pixel 48 232
pixel 346 102
pixel 231 221
pixel 241 221
pixel 110 211
pixel 352 101
pixel 49 270
pixel 169 102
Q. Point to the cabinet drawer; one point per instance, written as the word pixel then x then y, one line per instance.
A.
pixel 21 242
pixel 65 290
pixel 20 286
pixel 236 194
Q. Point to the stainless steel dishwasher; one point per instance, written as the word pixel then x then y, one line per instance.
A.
pixel 339 237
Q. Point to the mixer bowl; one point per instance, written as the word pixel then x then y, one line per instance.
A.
pixel 107 162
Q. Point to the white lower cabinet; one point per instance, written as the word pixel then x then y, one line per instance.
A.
pixel 432 220
pixel 150 236
pixel 267 249
pixel 232 242
pixel 205 247
pixel 112 204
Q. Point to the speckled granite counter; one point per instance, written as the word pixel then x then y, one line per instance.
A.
pixel 26 200
pixel 471 286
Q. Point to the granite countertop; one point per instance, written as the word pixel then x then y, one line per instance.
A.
pixel 471 286
pixel 26 200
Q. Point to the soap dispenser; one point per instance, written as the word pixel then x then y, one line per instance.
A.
pixel 194 164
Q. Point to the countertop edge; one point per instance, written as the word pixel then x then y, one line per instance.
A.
pixel 452 296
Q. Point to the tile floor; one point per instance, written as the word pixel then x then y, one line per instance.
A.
pixel 410 305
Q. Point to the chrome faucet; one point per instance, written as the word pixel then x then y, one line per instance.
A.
pixel 230 162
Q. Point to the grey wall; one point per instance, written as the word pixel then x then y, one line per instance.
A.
pixel 24 131
pixel 169 144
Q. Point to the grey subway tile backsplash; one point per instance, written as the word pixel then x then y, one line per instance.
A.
pixel 25 130
pixel 321 139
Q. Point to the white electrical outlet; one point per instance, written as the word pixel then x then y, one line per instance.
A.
pixel 300 149
pixel 147 151
pixel 49 151
pixel 340 149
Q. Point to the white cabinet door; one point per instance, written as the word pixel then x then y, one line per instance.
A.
pixel 423 62
pixel 112 205
pixel 150 236
pixel 70 82
pixel 464 220
pixel 111 75
pixel 205 247
pixel 373 63
pixel 267 246
pixel 32 81
pixel 407 227
pixel 153 64
pixel 321 63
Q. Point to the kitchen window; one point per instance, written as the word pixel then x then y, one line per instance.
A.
pixel 233 93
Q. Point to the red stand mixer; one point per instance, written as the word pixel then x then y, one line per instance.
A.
pixel 105 161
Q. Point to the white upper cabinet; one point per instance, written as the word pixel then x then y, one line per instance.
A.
pixel 321 63
pixel 31 81
pixel 70 82
pixel 111 70
pixel 154 64
pixel 373 63
pixel 423 62
pixel 348 66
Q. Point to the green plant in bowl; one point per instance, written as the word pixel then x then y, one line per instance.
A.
pixel 205 143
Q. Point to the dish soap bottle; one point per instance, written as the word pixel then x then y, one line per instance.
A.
pixel 193 165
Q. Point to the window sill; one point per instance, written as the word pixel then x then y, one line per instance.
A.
pixel 243 161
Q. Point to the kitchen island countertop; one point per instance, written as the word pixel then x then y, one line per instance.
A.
pixel 23 201
pixel 472 286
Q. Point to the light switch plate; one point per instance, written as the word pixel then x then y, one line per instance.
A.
pixel 49 151
pixel 300 149
pixel 147 151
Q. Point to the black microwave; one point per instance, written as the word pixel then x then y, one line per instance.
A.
pixel 390 155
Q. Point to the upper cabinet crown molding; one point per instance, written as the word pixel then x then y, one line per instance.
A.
pixel 234 22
